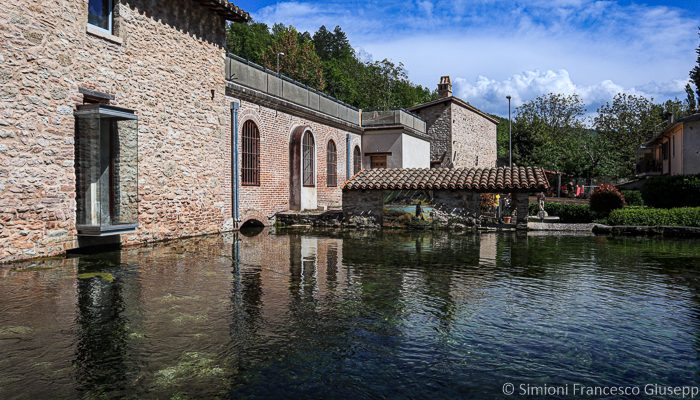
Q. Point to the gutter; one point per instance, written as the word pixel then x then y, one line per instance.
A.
pixel 235 105
pixel 348 175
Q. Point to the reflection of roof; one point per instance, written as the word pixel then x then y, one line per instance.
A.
pixel 457 100
pixel 689 118
pixel 480 179
pixel 227 9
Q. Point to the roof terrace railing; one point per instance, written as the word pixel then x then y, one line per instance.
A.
pixel 254 76
pixel 393 117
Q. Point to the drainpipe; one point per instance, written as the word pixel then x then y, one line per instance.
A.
pixel 347 157
pixel 234 161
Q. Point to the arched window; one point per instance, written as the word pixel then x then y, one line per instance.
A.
pixel 307 149
pixel 250 168
pixel 331 165
pixel 357 160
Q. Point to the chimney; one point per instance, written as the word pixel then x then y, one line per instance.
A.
pixel 445 87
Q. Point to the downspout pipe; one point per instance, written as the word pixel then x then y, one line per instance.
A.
pixel 235 187
pixel 348 173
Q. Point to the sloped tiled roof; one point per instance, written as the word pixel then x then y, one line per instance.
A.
pixel 480 179
pixel 227 9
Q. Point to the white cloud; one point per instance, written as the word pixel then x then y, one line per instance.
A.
pixel 490 94
pixel 593 47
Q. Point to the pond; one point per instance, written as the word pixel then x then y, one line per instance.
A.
pixel 351 316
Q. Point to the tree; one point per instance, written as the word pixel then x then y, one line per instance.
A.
pixel 695 72
pixel 300 61
pixel 690 103
pixel 249 40
pixel 628 122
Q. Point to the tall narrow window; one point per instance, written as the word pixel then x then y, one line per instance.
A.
pixel 100 14
pixel 250 154
pixel 106 169
pixel 357 160
pixel 331 165
pixel 308 153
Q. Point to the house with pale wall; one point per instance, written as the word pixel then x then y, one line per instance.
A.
pixel 674 151
pixel 126 122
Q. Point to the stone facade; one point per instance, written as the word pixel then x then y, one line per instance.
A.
pixel 164 62
pixel 461 135
pixel 452 209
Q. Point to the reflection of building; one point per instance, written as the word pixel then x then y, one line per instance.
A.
pixel 674 151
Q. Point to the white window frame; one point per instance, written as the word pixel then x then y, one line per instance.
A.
pixel 110 19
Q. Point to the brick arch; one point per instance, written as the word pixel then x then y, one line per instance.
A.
pixel 295 137
pixel 249 215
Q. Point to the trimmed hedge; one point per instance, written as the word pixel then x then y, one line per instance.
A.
pixel 571 213
pixel 643 216
pixel 633 198
pixel 672 191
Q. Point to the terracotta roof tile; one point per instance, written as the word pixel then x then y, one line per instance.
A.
pixel 481 179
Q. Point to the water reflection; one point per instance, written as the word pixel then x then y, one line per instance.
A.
pixel 357 315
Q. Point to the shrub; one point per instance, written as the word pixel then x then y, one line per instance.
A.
pixel 633 198
pixel 606 198
pixel 644 216
pixel 672 191
pixel 570 213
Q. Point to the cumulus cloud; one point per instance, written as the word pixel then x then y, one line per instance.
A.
pixel 490 94
pixel 592 47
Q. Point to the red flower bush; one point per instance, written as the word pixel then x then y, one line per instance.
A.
pixel 606 198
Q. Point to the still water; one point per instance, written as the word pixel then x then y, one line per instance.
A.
pixel 351 316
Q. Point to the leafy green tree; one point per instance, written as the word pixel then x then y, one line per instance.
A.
pixel 690 103
pixel 627 122
pixel 695 72
pixel 300 61
pixel 249 40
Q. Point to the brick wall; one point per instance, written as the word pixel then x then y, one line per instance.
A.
pixel 272 196
pixel 163 63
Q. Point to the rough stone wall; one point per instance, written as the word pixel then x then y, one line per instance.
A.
pixel 163 63
pixel 363 208
pixel 272 196
pixel 473 139
pixel 438 120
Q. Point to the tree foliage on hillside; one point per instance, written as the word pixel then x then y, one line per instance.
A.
pixel 327 61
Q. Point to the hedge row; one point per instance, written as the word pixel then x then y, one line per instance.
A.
pixel 643 216
pixel 633 197
pixel 672 191
pixel 571 213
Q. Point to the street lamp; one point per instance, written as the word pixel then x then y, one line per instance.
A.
pixel 280 54
pixel 510 137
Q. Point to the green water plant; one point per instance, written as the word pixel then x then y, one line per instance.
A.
pixel 105 276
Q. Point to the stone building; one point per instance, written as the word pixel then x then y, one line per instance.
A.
pixel 461 136
pixel 125 122
pixel 436 197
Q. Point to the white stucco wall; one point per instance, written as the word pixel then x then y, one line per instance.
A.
pixel 415 152
pixel 384 142
pixel 691 148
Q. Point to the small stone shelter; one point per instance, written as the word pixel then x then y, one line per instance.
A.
pixel 437 197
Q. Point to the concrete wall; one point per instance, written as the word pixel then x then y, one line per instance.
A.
pixel 675 150
pixel 383 142
pixel 473 139
pixel 415 152
pixel 163 62
pixel 691 148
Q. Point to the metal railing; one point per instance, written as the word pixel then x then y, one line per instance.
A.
pixel 393 117
pixel 254 76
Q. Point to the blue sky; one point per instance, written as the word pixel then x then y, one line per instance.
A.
pixel 492 48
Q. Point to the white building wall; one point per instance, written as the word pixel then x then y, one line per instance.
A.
pixel 415 152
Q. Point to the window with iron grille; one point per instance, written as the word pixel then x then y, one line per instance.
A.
pixel 357 160
pixel 332 165
pixel 250 167
pixel 308 159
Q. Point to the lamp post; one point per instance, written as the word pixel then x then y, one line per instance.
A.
pixel 510 137
pixel 280 54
